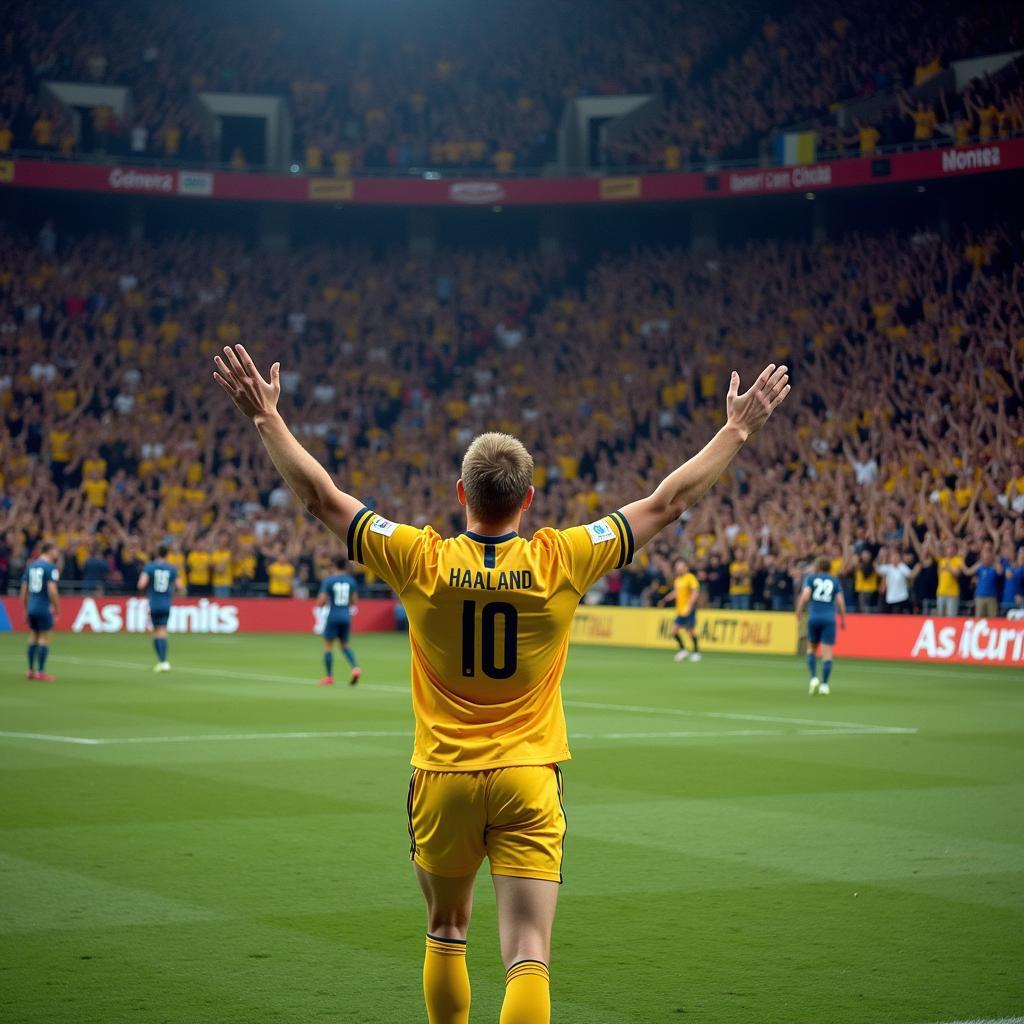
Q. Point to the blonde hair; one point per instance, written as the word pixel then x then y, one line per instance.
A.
pixel 497 471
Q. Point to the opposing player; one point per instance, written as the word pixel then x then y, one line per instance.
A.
pixel 159 581
pixel 685 591
pixel 489 619
pixel 338 595
pixel 42 609
pixel 822 595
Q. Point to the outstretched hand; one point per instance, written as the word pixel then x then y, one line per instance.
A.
pixel 750 411
pixel 238 376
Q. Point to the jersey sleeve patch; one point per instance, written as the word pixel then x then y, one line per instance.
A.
pixel 600 532
pixel 383 526
pixel 54 575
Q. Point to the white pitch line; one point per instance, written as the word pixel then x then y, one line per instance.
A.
pixel 698 733
pixel 226 674
pixel 1001 1020
pixel 217 737
pixel 734 716
pixel 99 741
pixel 82 740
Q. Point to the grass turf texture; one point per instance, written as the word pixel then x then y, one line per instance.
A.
pixel 723 862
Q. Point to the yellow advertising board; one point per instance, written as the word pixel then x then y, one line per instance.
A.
pixel 331 189
pixel 717 629
pixel 621 188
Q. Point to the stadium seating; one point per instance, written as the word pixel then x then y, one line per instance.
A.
pixel 485 92
pixel 905 426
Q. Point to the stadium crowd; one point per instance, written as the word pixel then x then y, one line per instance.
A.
pixel 801 66
pixel 451 86
pixel 900 454
pixel 487 91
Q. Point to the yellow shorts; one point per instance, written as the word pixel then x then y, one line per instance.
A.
pixel 512 816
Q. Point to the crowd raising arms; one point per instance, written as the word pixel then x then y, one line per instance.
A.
pixel 257 399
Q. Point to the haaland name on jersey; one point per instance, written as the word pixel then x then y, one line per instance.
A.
pixel 513 579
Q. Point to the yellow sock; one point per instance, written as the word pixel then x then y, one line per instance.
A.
pixel 446 981
pixel 527 994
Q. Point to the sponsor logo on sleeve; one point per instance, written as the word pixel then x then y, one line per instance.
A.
pixel 383 526
pixel 600 532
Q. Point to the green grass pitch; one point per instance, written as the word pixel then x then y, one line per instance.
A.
pixel 224 844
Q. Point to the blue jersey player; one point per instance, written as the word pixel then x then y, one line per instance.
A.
pixel 159 580
pixel 822 596
pixel 338 595
pixel 39 592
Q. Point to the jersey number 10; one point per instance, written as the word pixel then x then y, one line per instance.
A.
pixel 488 627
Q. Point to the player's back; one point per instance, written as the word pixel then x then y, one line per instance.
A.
pixel 824 590
pixel 39 573
pixel 489 622
pixel 339 588
pixel 162 578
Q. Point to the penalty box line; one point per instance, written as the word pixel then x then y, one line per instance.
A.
pixel 109 741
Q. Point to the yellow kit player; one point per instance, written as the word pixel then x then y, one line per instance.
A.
pixel 489 618
pixel 685 591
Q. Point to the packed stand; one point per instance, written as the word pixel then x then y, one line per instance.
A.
pixel 799 67
pixel 454 85
pixel 902 444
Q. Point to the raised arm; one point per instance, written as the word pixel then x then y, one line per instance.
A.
pixel 684 486
pixel 257 399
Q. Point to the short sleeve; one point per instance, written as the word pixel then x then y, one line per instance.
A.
pixel 324 586
pixel 54 575
pixel 806 582
pixel 589 552
pixel 392 550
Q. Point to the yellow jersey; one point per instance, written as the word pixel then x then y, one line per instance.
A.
pixel 244 566
pixel 865 582
pixel 223 576
pixel 198 567
pixel 96 492
pixel 949 576
pixel 489 622
pixel 739 578
pixel 279 578
pixel 686 587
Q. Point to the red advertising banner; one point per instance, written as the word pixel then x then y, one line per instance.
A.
pixel 919 165
pixel 206 615
pixel 933 640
